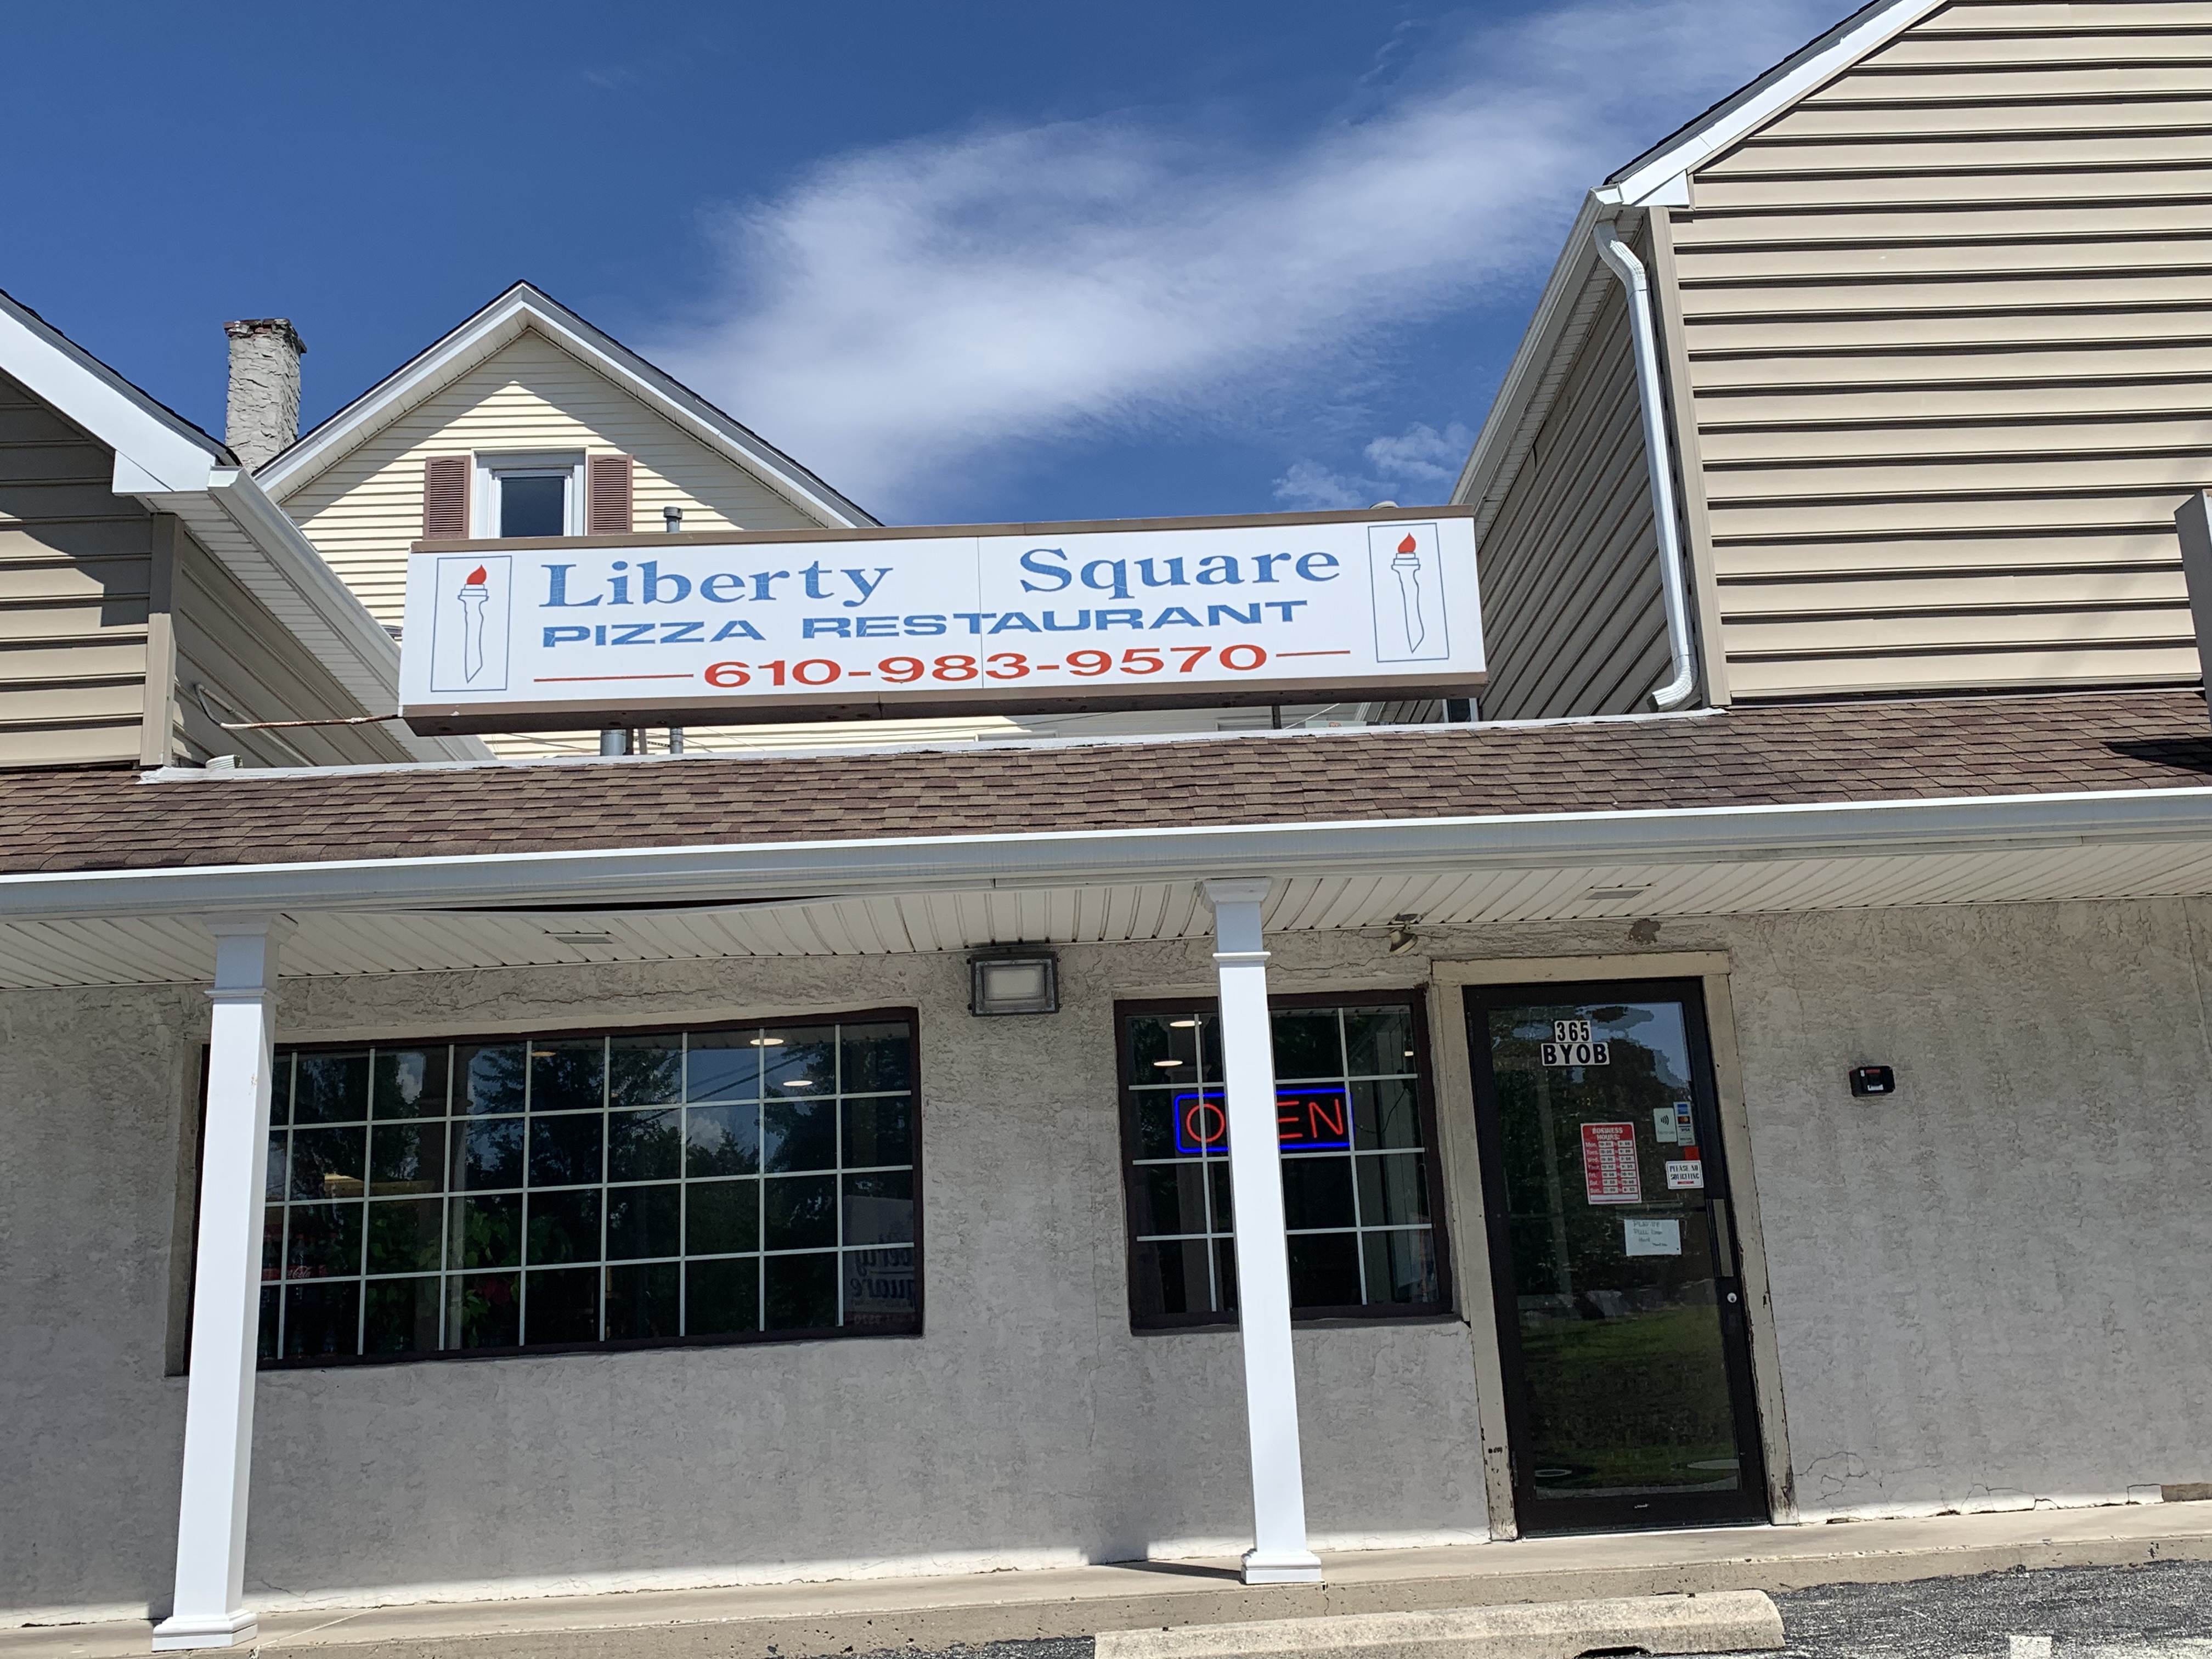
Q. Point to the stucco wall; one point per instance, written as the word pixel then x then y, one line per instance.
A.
pixel 1991 1287
pixel 1987 1289
pixel 1027 1426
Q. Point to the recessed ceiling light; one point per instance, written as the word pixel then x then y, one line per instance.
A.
pixel 767 1042
pixel 797 1083
pixel 1184 1024
pixel 1167 1062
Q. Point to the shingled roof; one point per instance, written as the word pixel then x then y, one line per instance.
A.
pixel 1776 755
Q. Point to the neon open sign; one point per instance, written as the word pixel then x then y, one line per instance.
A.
pixel 1306 1120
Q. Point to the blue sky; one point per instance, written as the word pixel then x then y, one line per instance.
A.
pixel 969 260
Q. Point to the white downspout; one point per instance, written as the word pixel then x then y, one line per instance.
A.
pixel 1673 586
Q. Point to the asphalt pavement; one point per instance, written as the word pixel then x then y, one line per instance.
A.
pixel 2080 1608
pixel 2159 1611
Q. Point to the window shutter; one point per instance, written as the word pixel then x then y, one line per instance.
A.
pixel 606 494
pixel 445 498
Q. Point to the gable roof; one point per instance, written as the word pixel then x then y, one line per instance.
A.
pixel 170 466
pixel 498 325
pixel 1657 177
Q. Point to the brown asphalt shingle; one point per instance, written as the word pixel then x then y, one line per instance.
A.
pixel 79 821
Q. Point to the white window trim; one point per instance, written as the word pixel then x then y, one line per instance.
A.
pixel 491 465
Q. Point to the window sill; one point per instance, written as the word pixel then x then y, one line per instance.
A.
pixel 552 1350
pixel 1184 1326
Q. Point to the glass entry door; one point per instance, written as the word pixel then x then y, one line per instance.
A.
pixel 1621 1315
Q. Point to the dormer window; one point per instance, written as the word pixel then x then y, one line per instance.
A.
pixel 532 503
pixel 490 495
pixel 536 495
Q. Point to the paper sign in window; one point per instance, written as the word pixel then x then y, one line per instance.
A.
pixel 1609 1172
pixel 1641 1237
pixel 1684 1174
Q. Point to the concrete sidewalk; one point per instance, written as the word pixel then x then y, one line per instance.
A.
pixel 790 1621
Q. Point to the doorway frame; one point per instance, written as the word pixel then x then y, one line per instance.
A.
pixel 1470 1243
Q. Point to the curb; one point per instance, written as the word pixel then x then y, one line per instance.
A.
pixel 1732 1622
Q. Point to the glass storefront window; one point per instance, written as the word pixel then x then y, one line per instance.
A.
pixel 582 1190
pixel 1360 1198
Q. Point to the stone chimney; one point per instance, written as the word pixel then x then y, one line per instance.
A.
pixel 263 415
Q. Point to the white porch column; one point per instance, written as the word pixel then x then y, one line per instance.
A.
pixel 210 1609
pixel 1279 1553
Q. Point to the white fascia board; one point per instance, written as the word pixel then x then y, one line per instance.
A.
pixel 1761 102
pixel 496 326
pixel 323 613
pixel 1570 273
pixel 149 443
pixel 413 383
pixel 739 873
pixel 838 515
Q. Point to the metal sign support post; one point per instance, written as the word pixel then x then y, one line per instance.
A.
pixel 1279 1553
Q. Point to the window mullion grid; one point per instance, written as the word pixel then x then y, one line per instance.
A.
pixel 837 1181
pixel 284 1197
pixel 1212 1245
pixel 360 1261
pixel 606 1194
pixel 1359 1233
pixel 760 1179
pixel 684 1188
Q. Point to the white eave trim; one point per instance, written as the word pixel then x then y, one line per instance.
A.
pixel 1532 380
pixel 499 324
pixel 160 448
pixel 324 614
pixel 1660 178
pixel 1765 99
pixel 738 873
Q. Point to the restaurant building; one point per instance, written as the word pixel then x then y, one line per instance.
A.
pixel 432 1174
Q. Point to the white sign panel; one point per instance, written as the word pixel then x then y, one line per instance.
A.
pixel 672 629
pixel 1651 1237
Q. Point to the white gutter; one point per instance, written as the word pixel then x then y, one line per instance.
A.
pixel 1658 456
pixel 740 873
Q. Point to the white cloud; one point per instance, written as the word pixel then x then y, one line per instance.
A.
pixel 946 303
pixel 1419 464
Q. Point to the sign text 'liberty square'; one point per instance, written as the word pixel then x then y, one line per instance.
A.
pixel 505 635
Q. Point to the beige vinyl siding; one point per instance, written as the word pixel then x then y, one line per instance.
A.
pixel 1948 323
pixel 235 662
pixel 113 619
pixel 364 509
pixel 1570 563
pixel 75 569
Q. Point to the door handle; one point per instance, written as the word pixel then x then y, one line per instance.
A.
pixel 1723 1237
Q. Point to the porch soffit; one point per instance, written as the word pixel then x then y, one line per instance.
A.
pixel 400 869
pixel 173 949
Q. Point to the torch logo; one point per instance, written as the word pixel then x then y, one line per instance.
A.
pixel 474 595
pixel 1407 580
pixel 469 625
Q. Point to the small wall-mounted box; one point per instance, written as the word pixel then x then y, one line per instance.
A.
pixel 1873 1080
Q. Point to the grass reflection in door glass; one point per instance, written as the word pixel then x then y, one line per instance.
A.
pixel 1623 1355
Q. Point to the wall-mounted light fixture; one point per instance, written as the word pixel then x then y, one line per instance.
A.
pixel 1013 980
pixel 1402 936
